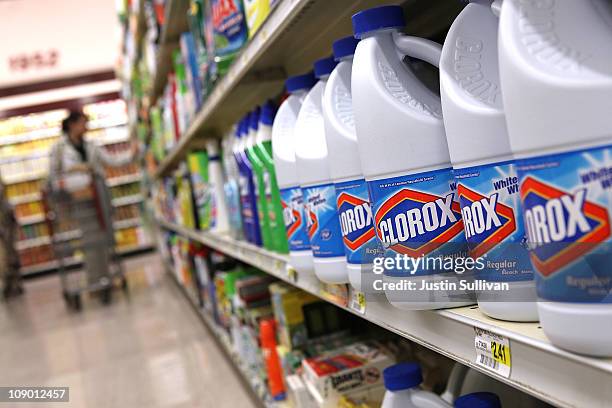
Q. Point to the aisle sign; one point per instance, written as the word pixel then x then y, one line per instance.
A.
pixel 493 352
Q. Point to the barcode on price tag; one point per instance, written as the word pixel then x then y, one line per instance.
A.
pixel 493 352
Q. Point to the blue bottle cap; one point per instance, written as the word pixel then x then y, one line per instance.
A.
pixel 245 125
pixel 324 66
pixel 254 120
pixel 268 112
pixel 478 400
pixel 402 376
pixel 377 18
pixel 344 47
pixel 299 82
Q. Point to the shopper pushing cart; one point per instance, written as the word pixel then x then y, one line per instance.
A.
pixel 77 195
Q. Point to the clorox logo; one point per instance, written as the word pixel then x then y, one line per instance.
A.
pixel 416 223
pixel 292 218
pixel 561 226
pixel 355 220
pixel 312 222
pixel 486 221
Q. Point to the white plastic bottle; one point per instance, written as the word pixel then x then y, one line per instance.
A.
pixel 405 160
pixel 483 164
pixel 402 383
pixel 317 186
pixel 231 188
pixel 220 216
pixel 555 64
pixel 352 197
pixel 283 150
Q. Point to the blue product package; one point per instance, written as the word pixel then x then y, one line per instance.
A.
pixel 492 219
pixel 356 221
pixel 322 221
pixel 188 49
pixel 418 215
pixel 230 28
pixel 567 199
pixel 294 217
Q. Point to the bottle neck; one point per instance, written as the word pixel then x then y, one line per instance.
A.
pixel 386 32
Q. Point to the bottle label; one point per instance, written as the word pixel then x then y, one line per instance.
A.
pixel 418 215
pixel 567 201
pixel 249 209
pixel 356 222
pixel 322 221
pixel 294 217
pixel 493 222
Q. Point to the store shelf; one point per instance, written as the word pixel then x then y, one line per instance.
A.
pixel 32 242
pixel 538 368
pixel 26 198
pixel 49 266
pixel 127 200
pixel 31 219
pixel 30 136
pixel 223 341
pixel 67 236
pixel 294 35
pixel 120 180
pixel 34 154
pixel 176 23
pixel 128 249
pixel 20 178
pixel 122 224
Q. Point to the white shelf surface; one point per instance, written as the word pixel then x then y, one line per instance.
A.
pixel 127 200
pixel 131 222
pixel 19 178
pixel 538 368
pixel 120 180
pixel 25 198
pixel 31 219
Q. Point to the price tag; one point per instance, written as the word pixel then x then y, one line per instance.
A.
pixel 358 302
pixel 292 274
pixel 493 352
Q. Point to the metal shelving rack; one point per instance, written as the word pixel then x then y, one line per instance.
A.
pixel 295 34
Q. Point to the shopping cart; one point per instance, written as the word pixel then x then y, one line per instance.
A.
pixel 80 222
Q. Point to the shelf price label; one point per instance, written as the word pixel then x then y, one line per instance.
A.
pixel 292 274
pixel 493 352
pixel 358 302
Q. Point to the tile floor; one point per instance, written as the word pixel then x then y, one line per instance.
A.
pixel 148 350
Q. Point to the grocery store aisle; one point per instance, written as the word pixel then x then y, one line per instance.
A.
pixel 150 350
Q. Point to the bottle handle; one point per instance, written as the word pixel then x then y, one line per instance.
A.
pixel 420 48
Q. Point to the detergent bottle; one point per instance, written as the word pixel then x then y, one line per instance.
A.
pixel 258 178
pixel 230 188
pixel 283 149
pixel 405 160
pixel 402 382
pixel 555 64
pixel 218 203
pixel 483 165
pixel 248 202
pixel 318 190
pixel 352 197
pixel 478 400
pixel 272 194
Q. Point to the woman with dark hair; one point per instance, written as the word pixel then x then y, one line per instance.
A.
pixel 73 154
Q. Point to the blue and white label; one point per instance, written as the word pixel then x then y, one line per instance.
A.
pixel 490 208
pixel 418 215
pixel 356 222
pixel 322 221
pixel 294 217
pixel 567 201
pixel 248 203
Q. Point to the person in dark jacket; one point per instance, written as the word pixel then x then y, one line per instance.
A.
pixel 9 258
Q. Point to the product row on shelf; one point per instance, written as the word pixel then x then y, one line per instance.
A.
pixel 417 172
pixel 294 348
pixel 25 143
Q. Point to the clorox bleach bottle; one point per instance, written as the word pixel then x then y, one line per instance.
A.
pixel 352 197
pixel 248 202
pixel 402 383
pixel 272 195
pixel 258 178
pixel 556 82
pixel 405 160
pixel 317 186
pixel 220 217
pixel 232 192
pixel 283 149
pixel 479 147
